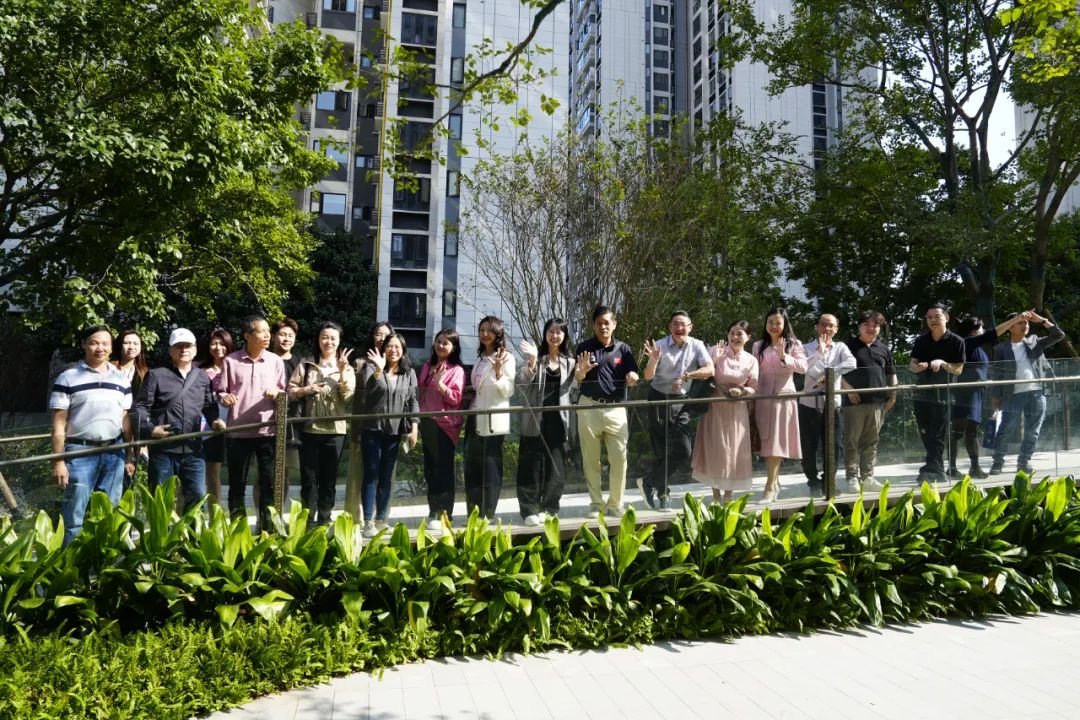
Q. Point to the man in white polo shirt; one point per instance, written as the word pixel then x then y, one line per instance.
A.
pixel 89 405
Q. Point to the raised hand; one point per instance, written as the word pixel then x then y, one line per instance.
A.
pixel 585 365
pixel 343 359
pixel 651 350
pixel 529 351
pixel 377 359
pixel 823 343
pixel 498 361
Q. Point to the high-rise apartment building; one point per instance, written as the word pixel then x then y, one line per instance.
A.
pixel 427 279
pixel 665 57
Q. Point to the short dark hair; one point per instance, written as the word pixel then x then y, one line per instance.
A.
pixel 873 315
pixel 677 313
pixel 968 324
pixel 740 324
pixel 937 306
pixel 285 323
pixel 602 310
pixel 86 332
pixel 248 325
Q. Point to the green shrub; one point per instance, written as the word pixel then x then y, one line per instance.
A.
pixel 173 587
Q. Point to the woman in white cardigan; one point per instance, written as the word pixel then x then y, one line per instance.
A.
pixel 493 383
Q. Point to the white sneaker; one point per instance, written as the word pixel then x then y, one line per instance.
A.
pixel 592 514
pixel 532 520
pixel 871 484
pixel 434 527
pixel 543 516
pixel 369 530
pixel 617 511
pixel 381 524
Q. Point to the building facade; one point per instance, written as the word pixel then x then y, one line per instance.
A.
pixel 406 228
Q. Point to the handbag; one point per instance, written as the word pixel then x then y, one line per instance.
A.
pixel 700 390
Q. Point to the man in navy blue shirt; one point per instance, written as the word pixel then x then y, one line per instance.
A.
pixel 936 359
pixel 605 368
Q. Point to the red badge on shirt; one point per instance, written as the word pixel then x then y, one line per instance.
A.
pixel 617 361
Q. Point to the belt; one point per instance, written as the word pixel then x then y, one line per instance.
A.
pixel 91 443
pixel 602 401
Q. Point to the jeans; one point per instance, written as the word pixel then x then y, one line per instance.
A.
pixel 380 452
pixel 672 445
pixel 189 467
pixel 102 472
pixel 438 468
pixel 1030 405
pixel 240 451
pixel 932 419
pixel 320 454
pixel 483 473
pixel 541 474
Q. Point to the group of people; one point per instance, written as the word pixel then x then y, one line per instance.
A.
pixel 112 396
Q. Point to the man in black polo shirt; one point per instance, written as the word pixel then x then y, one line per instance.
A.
pixel 605 367
pixel 936 358
pixel 864 413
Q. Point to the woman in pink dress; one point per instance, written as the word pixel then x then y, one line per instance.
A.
pixel 722 447
pixel 780 355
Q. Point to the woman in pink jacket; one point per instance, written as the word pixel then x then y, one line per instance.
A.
pixel 441 385
pixel 780 355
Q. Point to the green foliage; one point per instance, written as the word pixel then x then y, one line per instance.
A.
pixel 149 151
pixel 258 614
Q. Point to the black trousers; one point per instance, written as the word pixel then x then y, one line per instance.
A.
pixel 812 432
pixel 672 444
pixel 483 473
pixel 933 420
pixel 239 455
pixel 541 474
pixel 438 468
pixel 319 457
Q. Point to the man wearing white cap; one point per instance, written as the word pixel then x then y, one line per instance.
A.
pixel 173 401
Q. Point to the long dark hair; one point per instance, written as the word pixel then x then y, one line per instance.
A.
pixel 371 344
pixel 496 326
pixel 141 366
pixel 226 339
pixel 564 346
pixel 788 334
pixel 403 364
pixel 454 358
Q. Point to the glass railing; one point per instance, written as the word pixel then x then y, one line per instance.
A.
pixel 705 451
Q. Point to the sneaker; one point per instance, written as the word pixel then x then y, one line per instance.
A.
pixel 592 514
pixel 871 484
pixel 664 504
pixel 381 525
pixel 954 473
pixel 647 492
pixel 617 511
pixel 532 520
pixel 1026 469
pixel 996 468
pixel 853 485
pixel 977 473
pixel 815 489
pixel 542 516
pixel 369 530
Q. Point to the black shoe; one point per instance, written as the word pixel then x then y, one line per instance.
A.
pixel 647 491
pixel 954 473
pixel 1026 469
pixel 977 473
pixel 816 489
pixel 996 468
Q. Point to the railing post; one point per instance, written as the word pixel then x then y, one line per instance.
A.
pixel 830 433
pixel 9 497
pixel 281 439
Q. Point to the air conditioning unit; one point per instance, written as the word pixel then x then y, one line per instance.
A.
pixel 305 119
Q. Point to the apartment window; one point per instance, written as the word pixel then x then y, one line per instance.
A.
pixel 365 161
pixel 660 13
pixel 270 15
pixel 697 71
pixel 364 213
pixel 408 251
pixel 365 60
pixel 459 15
pixel 697 27
pixel 660 105
pixel 660 36
pixel 332 203
pixel 453 122
pixel 660 82
pixel 419 29
pixel 371 12
pixel 449 303
pixel 457 69
pixel 371 110
pixel 331 151
pixel 407 308
pixel 660 58
pixel 339 5
pixel 453 183
pixel 697 96
pixel 333 100
pixel 450 246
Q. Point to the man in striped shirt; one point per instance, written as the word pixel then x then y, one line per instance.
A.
pixel 90 404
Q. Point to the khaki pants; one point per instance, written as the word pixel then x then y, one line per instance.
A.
pixel 611 427
pixel 862 427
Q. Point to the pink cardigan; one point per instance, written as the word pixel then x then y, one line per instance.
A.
pixel 431 400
